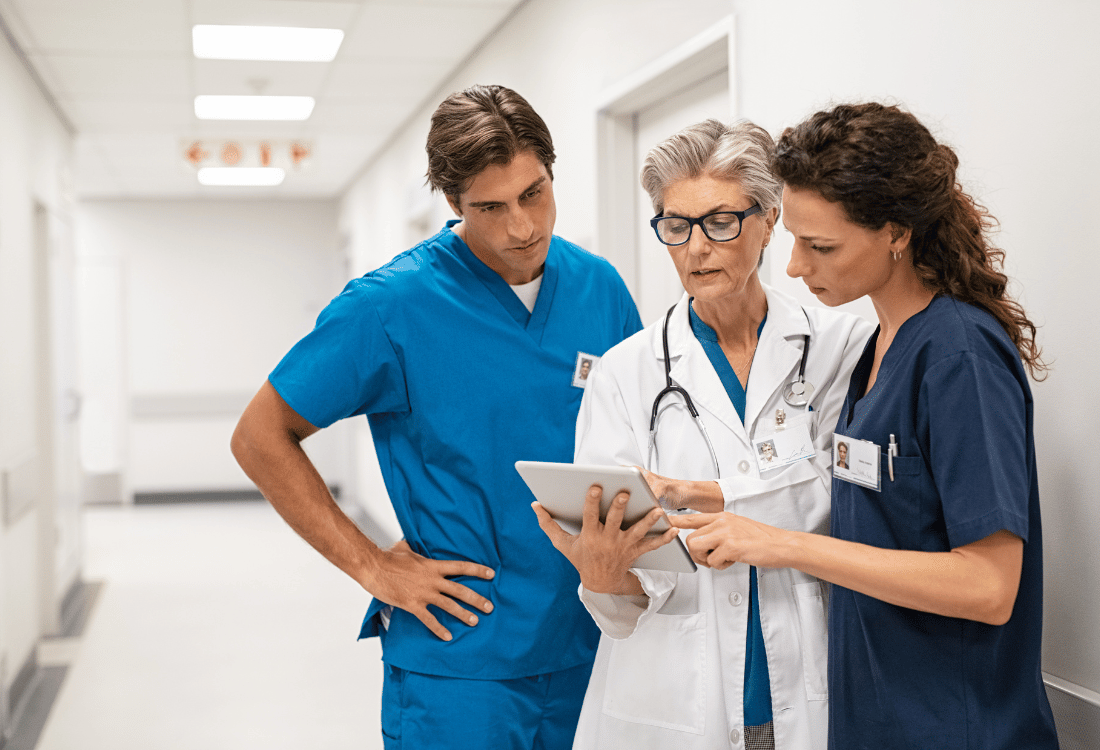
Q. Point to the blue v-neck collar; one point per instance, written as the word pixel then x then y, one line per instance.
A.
pixel 533 322
pixel 708 339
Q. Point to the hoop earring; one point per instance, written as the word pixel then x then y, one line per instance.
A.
pixel 896 254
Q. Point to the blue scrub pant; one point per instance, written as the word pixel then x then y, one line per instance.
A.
pixel 528 713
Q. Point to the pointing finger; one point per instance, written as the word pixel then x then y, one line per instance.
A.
pixel 692 520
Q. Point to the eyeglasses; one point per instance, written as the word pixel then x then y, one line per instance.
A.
pixel 722 226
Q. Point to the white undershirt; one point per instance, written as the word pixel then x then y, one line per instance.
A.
pixel 528 292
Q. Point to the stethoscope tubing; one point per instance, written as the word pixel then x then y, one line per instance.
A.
pixel 797 394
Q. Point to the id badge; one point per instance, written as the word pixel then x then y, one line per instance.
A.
pixel 857 461
pixel 784 448
pixel 583 366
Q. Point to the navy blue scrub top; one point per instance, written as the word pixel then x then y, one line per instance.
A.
pixel 953 391
pixel 459 381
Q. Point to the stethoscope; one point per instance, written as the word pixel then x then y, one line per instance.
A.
pixel 797 393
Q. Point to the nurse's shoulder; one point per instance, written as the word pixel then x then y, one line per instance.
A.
pixel 402 281
pixel 958 328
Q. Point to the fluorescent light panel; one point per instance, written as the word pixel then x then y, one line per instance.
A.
pixel 265 43
pixel 241 176
pixel 219 107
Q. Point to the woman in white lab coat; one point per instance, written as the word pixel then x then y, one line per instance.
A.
pixel 671 670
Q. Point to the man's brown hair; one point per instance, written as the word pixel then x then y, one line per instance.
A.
pixel 478 128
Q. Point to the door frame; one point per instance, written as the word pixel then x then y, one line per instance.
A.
pixel 704 55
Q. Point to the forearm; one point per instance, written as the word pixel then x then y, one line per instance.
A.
pixel 974 582
pixel 282 471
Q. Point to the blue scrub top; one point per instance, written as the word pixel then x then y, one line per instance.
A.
pixel 953 391
pixel 459 381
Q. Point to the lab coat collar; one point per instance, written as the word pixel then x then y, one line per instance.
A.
pixel 778 354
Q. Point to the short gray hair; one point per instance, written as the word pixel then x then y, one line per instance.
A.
pixel 743 152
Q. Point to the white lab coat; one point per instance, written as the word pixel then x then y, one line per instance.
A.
pixel 670 669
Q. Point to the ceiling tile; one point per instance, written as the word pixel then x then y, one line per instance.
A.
pixel 408 81
pixel 106 27
pixel 444 33
pixel 249 77
pixel 316 14
pixel 369 119
pixel 151 77
pixel 126 115
pixel 230 130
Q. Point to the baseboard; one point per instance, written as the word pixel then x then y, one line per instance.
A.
pixel 22 684
pixel 77 606
pixel 1076 713
pixel 195 496
pixel 31 719
pixel 169 497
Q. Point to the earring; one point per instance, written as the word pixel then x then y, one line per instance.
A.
pixel 896 254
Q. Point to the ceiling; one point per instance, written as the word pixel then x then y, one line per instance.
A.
pixel 123 74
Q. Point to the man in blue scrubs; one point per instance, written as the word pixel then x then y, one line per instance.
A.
pixel 461 352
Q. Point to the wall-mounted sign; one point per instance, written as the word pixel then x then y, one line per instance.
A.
pixel 211 152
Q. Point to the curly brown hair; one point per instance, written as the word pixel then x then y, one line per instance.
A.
pixel 883 166
pixel 478 128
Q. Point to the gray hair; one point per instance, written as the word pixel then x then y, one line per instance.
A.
pixel 743 152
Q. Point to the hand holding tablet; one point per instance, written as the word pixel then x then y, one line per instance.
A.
pixel 641 541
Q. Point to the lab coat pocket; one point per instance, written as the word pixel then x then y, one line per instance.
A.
pixel 657 675
pixel 812 602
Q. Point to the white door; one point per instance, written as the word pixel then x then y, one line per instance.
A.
pixel 658 285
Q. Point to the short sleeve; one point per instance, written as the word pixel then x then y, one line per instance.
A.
pixel 977 434
pixel 632 320
pixel 346 365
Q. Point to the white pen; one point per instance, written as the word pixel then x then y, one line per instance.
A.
pixel 890 453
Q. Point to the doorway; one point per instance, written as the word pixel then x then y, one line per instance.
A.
pixel 691 83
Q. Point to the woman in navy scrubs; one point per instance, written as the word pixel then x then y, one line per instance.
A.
pixel 935 617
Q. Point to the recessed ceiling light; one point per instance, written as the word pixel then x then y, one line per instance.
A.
pixel 218 107
pixel 241 176
pixel 265 43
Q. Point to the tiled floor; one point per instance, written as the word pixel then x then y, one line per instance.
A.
pixel 216 628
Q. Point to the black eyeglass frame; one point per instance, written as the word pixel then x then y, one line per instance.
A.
pixel 692 223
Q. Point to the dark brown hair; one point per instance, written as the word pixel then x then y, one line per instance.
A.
pixel 478 128
pixel 883 166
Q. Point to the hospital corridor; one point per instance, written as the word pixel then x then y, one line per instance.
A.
pixel 193 193
pixel 190 640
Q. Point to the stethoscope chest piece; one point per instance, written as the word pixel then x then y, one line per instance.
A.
pixel 798 393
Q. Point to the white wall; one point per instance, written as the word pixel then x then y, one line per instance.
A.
pixel 35 154
pixel 187 306
pixel 1010 84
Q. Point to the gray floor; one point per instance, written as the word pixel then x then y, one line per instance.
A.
pixel 215 627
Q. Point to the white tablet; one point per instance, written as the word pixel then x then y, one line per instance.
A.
pixel 561 489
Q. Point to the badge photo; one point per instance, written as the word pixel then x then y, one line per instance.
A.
pixel 583 366
pixel 856 461
pixel 784 448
